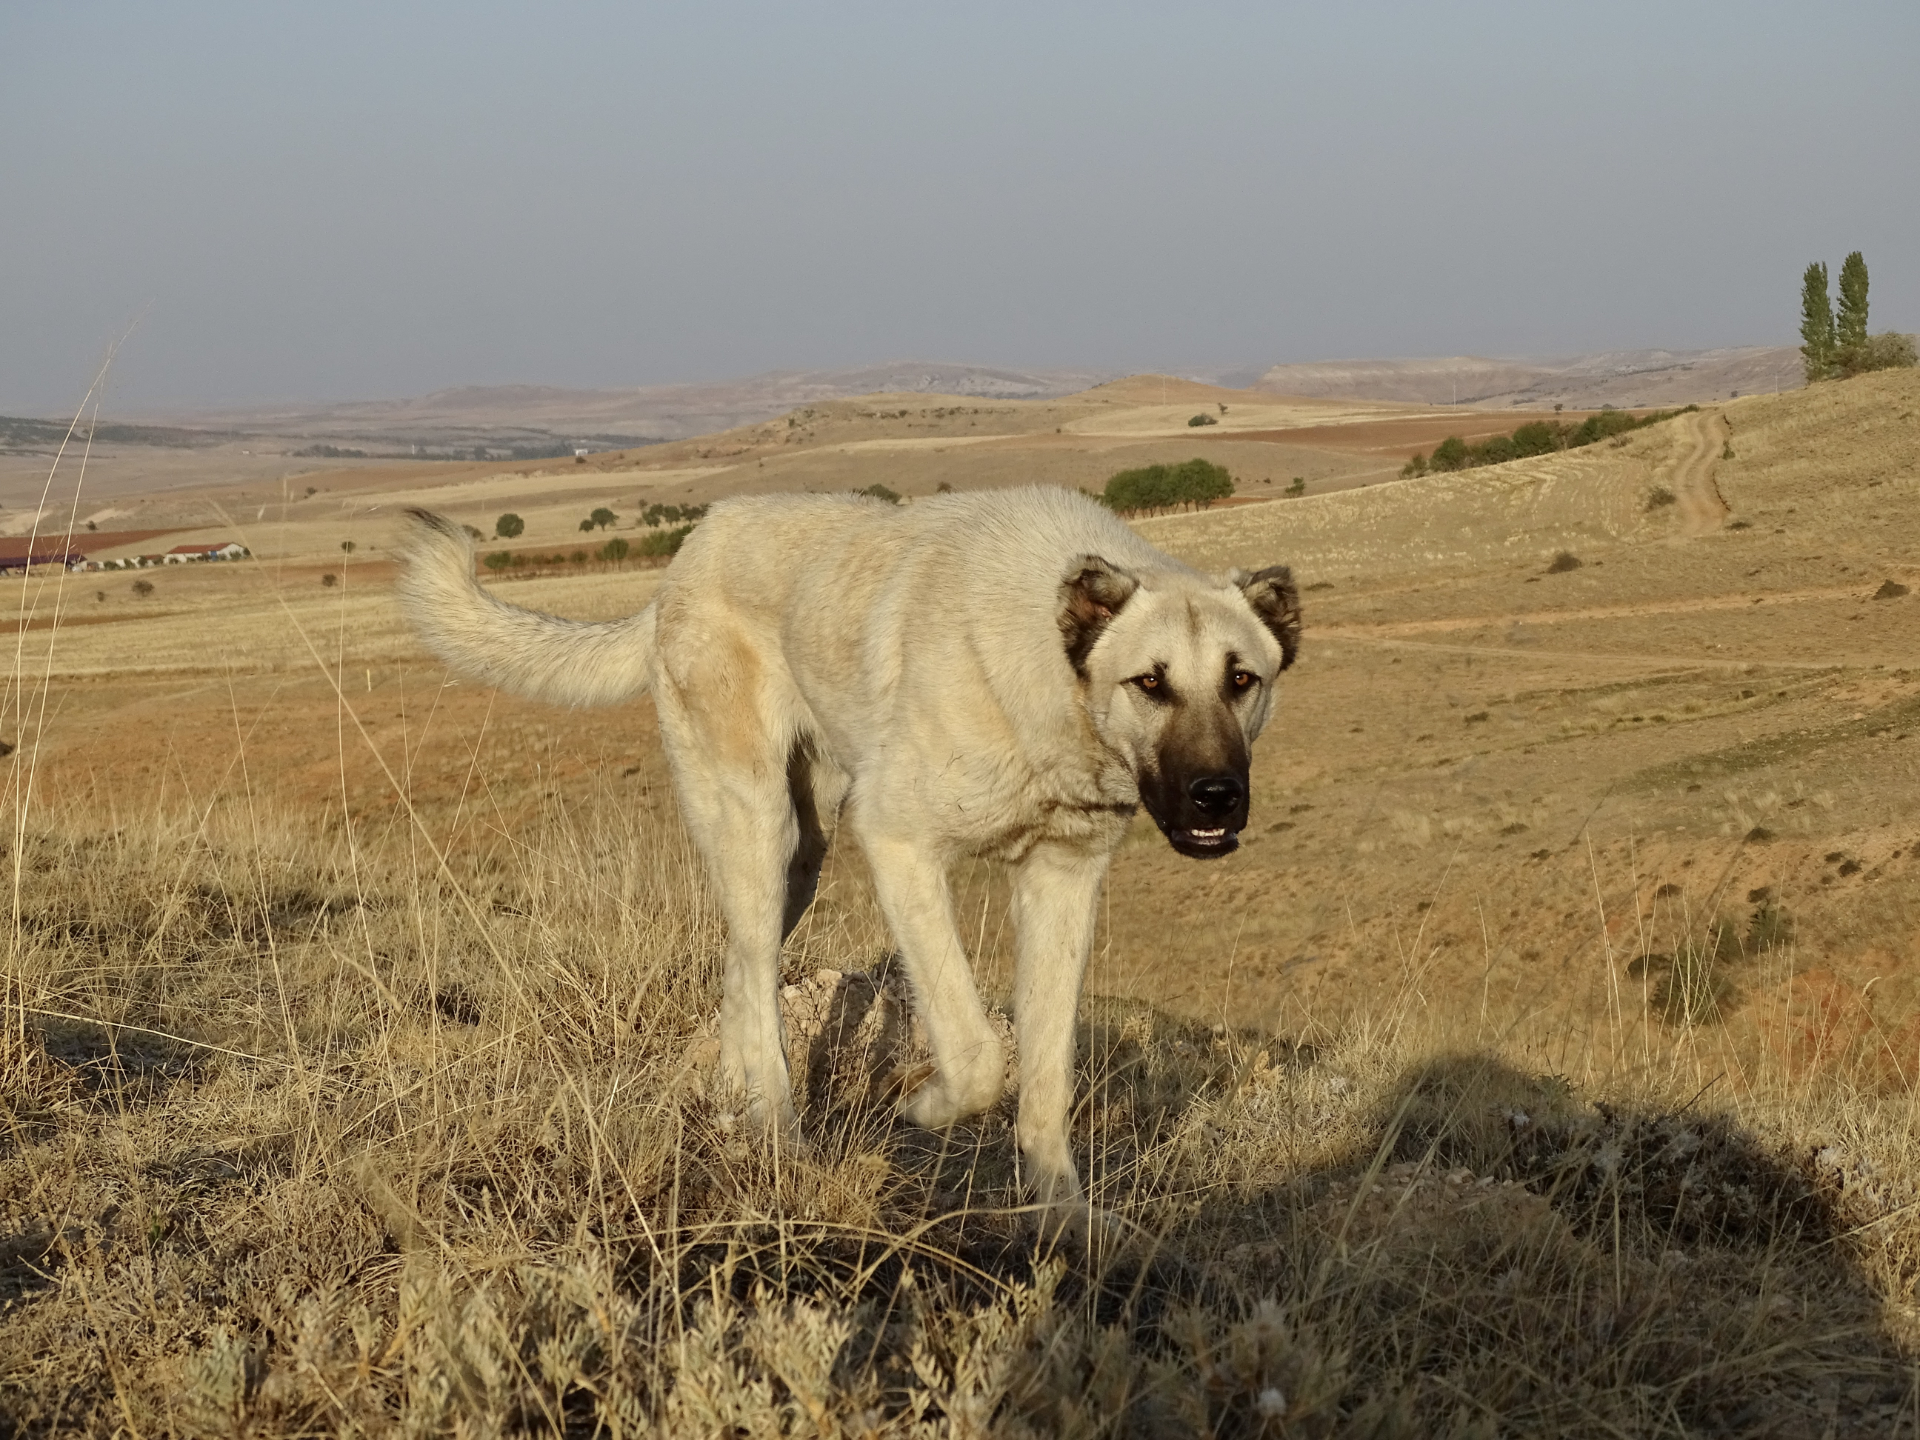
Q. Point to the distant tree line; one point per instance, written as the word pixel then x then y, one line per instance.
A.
pixel 1195 484
pixel 1540 437
pixel 1839 347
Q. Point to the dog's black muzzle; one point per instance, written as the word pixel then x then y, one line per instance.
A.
pixel 1201 818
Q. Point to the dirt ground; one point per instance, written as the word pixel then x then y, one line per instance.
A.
pixel 1488 773
pixel 1540 1066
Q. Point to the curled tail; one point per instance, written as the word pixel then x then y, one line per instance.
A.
pixel 568 662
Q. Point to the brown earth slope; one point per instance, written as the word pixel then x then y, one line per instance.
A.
pixel 1545 784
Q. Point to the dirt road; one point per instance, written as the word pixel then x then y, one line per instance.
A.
pixel 1702 511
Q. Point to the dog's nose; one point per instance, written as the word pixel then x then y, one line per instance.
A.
pixel 1214 795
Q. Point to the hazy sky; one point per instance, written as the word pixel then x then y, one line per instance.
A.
pixel 342 200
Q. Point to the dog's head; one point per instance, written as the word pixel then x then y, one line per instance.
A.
pixel 1179 675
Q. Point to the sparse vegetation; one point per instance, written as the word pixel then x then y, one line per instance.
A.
pixel 1151 489
pixel 663 543
pixel 1529 1073
pixel 1538 437
pixel 655 515
pixel 472 1177
pixel 1660 496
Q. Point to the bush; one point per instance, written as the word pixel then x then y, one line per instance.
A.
pixel 508 526
pixel 143 588
pixel 1658 496
pixel 671 514
pixel 1202 419
pixel 1168 487
pixel 1538 437
pixel 1888 351
pixel 1563 562
pixel 329 580
pixel 498 560
pixel 1298 486
pixel 664 542
pixel 347 546
pixel 881 492
pixel 615 549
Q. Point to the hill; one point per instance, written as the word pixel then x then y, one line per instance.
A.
pixel 1542 1065
pixel 1629 379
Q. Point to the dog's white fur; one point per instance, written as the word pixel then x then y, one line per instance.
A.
pixel 996 674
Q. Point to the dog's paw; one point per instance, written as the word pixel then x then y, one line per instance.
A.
pixel 932 1105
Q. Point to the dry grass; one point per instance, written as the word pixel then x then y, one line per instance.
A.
pixel 314 1133
pixel 371 1098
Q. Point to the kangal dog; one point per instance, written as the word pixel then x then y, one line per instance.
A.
pixel 1009 674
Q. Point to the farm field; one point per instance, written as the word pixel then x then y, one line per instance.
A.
pixel 1542 1064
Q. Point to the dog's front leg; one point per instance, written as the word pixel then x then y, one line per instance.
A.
pixel 968 1059
pixel 1054 895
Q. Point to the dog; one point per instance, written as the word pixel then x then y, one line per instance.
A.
pixel 1009 674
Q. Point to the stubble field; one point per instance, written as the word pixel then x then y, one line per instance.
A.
pixel 1542 1065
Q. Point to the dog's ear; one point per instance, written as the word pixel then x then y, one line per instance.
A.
pixel 1275 599
pixel 1090 596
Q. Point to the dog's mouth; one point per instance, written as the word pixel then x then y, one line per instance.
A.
pixel 1202 844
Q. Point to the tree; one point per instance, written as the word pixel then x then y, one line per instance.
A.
pixel 1850 327
pixel 1816 323
pixel 602 517
pixel 615 549
pixel 1165 487
pixel 508 526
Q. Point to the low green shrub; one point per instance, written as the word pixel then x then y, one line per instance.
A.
pixel 1196 483
pixel 1537 437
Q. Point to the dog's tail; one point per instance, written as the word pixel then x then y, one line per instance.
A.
pixel 528 652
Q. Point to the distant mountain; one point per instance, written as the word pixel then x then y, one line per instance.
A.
pixel 527 421
pixel 1580 382
pixel 520 416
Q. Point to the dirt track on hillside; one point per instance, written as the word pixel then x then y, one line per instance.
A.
pixel 1702 511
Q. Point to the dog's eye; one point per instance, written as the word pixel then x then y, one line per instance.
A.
pixel 1244 680
pixel 1148 683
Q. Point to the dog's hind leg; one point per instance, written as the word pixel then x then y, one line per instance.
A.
pixel 969 1061
pixel 1054 895
pixel 817 788
pixel 732 787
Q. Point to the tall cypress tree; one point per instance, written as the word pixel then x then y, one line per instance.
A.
pixel 1850 329
pixel 1816 323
